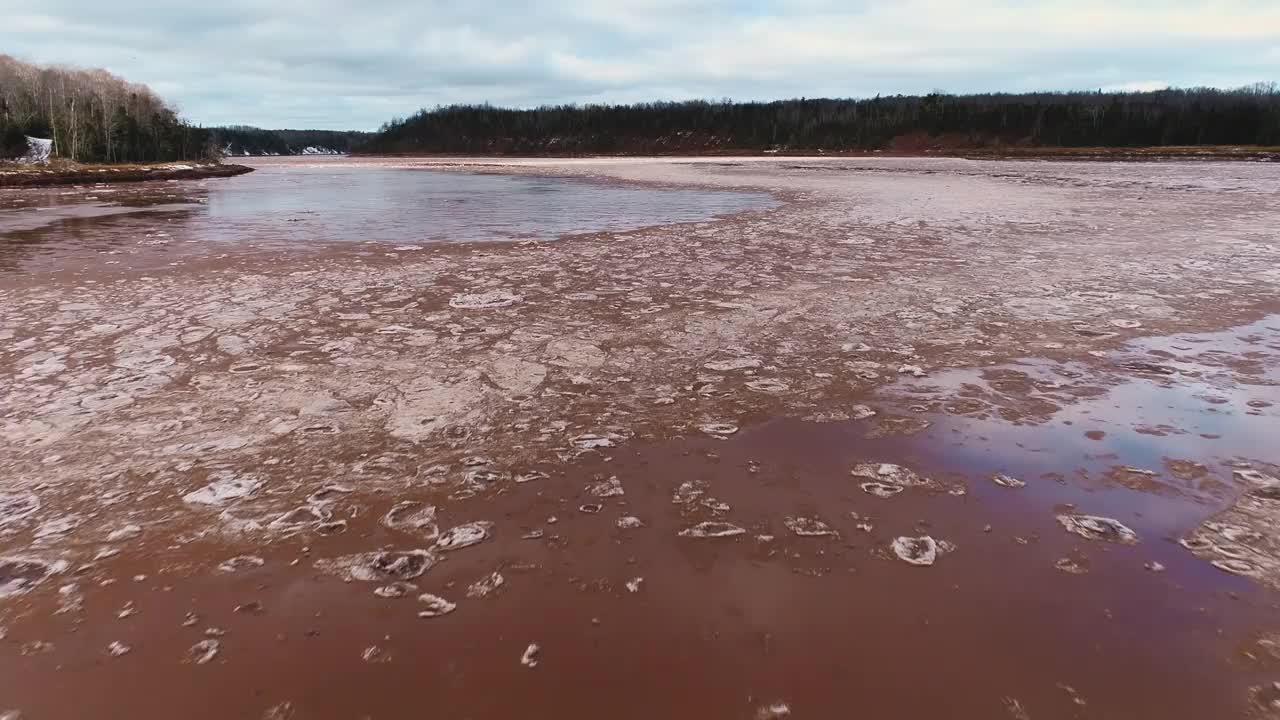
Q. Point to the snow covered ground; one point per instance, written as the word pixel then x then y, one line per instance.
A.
pixel 38 150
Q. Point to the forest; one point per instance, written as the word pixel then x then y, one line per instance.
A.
pixel 245 140
pixel 1172 117
pixel 92 116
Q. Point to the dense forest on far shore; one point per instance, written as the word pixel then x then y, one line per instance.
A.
pixel 245 140
pixel 1203 116
pixel 91 116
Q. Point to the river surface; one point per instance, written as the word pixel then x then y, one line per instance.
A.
pixel 650 438
pixel 295 206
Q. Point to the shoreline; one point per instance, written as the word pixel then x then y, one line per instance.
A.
pixel 45 176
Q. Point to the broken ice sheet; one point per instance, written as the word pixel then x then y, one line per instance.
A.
pixel 712 529
pixel 486 585
pixel 434 606
pixel 921 550
pixel 1095 527
pixel 808 527
pixel 464 535
pixel 225 487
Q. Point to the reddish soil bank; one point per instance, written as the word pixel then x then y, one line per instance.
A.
pixel 36 176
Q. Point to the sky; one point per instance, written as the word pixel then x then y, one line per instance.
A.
pixel 354 65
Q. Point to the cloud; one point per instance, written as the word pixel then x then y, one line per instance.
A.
pixel 330 64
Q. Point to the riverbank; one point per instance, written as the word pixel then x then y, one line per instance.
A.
pixel 15 175
pixel 1245 153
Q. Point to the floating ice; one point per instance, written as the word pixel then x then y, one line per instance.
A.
pixel 881 490
pixel 1007 481
pixel 531 476
pixel 18 575
pixel 921 550
pixel 808 527
pixel 592 441
pixel 773 711
pixel 1095 527
pixel 411 515
pixel 394 590
pixel 719 430
pixel 299 518
pixel 729 365
pixel 241 562
pixel 465 535
pixel 116 649
pixel 633 585
pixel 434 606
pixel 768 386
pixel 485 300
pixel 226 487
pixel 124 532
pixel 611 487
pixel 531 656
pixel 57 526
pixel 712 529
pixel 887 473
pixel 861 412
pixel 16 506
pixel 399 564
pixel 590 508
pixel 203 651
pixel 486 585
pixel 630 522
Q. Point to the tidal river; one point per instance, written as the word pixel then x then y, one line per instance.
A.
pixel 644 438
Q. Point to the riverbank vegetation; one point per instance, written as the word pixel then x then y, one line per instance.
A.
pixel 240 140
pixel 91 116
pixel 1188 117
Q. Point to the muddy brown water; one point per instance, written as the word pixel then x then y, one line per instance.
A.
pixel 1015 618
pixel 830 626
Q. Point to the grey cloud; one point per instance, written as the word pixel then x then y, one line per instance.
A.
pixel 354 65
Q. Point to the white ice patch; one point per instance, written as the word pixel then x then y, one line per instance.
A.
pixel 630 522
pixel 413 516
pixel 921 550
pixel 19 575
pixel 719 430
pixel 485 300
pixel 808 527
pixel 486 585
pixel 465 535
pixel 227 487
pixel 203 651
pixel 1007 481
pixel 241 562
pixel 434 606
pixel 712 529
pixel 1095 527
pixel 611 487
pixel 592 441
pixel 124 532
pixel 16 506
pixel 531 656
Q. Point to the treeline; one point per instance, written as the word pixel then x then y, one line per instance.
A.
pixel 91 116
pixel 1245 116
pixel 245 140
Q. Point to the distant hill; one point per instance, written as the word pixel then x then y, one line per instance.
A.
pixel 243 140
pixel 1246 116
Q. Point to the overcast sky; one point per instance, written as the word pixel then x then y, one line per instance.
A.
pixel 340 65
